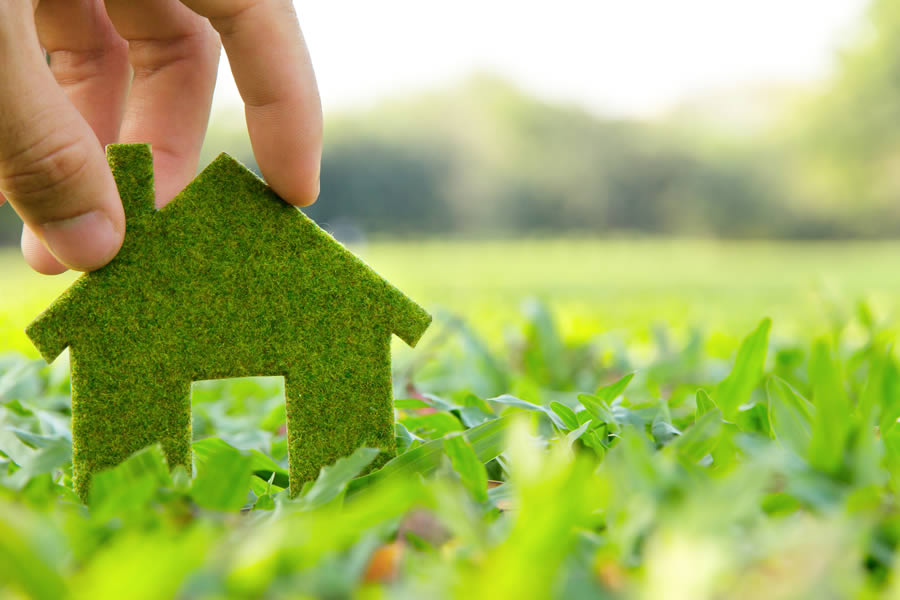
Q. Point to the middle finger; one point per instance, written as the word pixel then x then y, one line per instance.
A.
pixel 175 56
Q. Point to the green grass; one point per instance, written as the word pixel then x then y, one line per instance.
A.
pixel 592 285
pixel 584 420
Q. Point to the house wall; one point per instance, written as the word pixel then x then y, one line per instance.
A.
pixel 337 401
pixel 114 416
pixel 338 397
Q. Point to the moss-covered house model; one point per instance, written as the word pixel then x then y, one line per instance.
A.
pixel 225 281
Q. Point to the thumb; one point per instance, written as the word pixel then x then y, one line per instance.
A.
pixel 52 168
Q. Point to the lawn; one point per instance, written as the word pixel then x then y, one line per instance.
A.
pixel 593 286
pixel 586 419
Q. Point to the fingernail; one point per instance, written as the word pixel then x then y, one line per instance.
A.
pixel 85 242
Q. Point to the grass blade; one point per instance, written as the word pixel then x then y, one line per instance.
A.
pixel 487 441
pixel 700 439
pixel 223 478
pixel 831 425
pixel 467 465
pixel 790 416
pixel 735 389
pixel 333 479
pixel 608 393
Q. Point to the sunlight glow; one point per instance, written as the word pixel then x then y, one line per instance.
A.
pixel 634 57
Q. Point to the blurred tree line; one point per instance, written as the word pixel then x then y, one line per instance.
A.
pixel 845 145
pixel 486 159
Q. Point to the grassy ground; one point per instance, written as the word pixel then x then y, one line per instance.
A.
pixel 585 420
pixel 593 286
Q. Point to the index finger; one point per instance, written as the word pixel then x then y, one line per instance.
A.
pixel 274 74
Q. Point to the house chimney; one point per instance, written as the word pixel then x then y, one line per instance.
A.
pixel 132 168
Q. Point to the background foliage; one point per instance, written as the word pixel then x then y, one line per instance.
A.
pixel 484 159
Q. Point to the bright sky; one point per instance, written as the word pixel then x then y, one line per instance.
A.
pixel 633 57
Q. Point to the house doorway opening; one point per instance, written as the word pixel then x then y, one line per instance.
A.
pixel 246 412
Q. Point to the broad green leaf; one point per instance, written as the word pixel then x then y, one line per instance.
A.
pixel 223 477
pixel 734 391
pixel 439 403
pixel 576 433
pixel 467 465
pixel 472 416
pixel 475 411
pixel 261 488
pixel 608 393
pixel 275 419
pixel 508 400
pixel 265 467
pixel 790 416
pixel 593 432
pixel 405 438
pixel 831 423
pixel 21 381
pixel 128 486
pixel 705 404
pixel 264 502
pixel 262 465
pixel 700 439
pixel 34 454
pixel 16 407
pixel 755 419
pixel 566 415
pixel 45 460
pixel 599 411
pixel 333 479
pixel 662 429
pixel 487 440
pixel 471 400
pixel 435 425
pixel 13 447
pixel 38 441
pixel 410 404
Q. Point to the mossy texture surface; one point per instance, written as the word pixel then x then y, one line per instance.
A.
pixel 227 280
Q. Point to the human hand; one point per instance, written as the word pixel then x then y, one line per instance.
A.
pixel 140 71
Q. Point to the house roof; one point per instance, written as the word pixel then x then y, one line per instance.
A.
pixel 226 262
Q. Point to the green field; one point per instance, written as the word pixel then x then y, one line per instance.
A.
pixel 592 286
pixel 586 419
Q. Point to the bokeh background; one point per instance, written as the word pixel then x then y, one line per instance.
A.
pixel 698 118
pixel 699 163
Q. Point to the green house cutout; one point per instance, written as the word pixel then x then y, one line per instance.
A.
pixel 227 280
